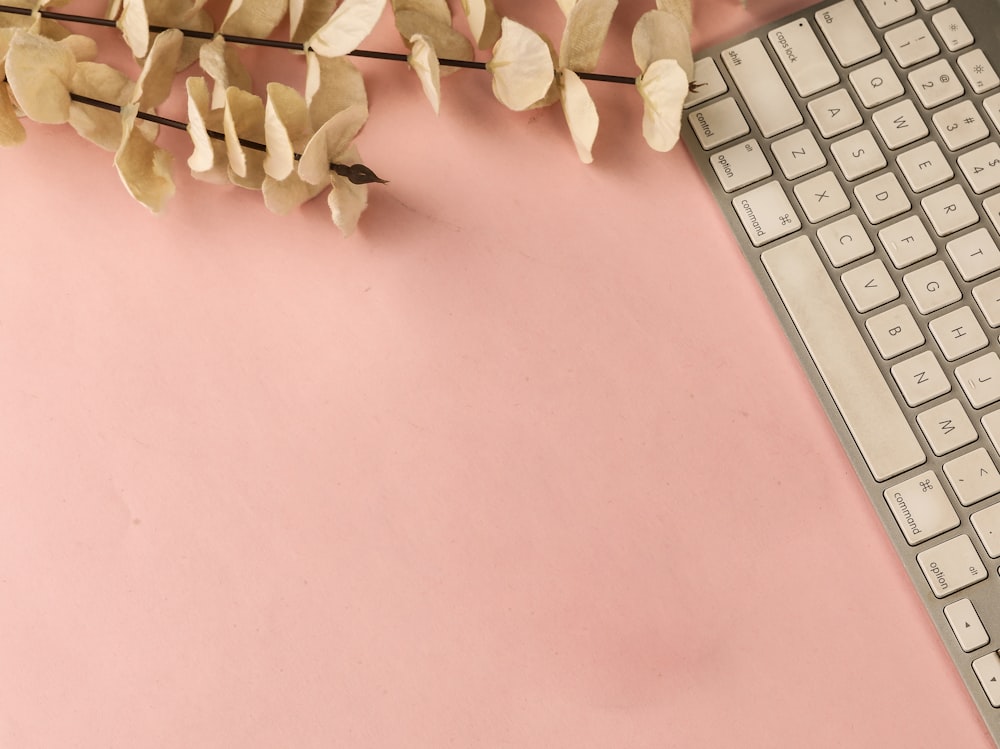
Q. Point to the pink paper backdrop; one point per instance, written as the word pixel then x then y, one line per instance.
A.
pixel 525 463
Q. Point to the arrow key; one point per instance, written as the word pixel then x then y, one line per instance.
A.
pixel 987 669
pixel 966 625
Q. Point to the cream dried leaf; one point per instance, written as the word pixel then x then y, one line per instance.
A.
pixel 84 48
pixel 208 160
pixel 157 76
pixel 254 18
pixel 40 72
pixel 332 85
pixel 305 17
pixel 96 80
pixel 659 35
pixel 222 63
pixel 436 9
pixel 586 29
pixel 243 117
pixel 447 42
pixel 284 196
pixel 425 64
pixel 521 66
pixel 350 24
pixel 347 200
pixel 679 8
pixel 134 26
pixel 11 130
pixel 286 128
pixel 144 167
pixel 330 143
pixel 484 22
pixel 566 6
pixel 663 87
pixel 581 115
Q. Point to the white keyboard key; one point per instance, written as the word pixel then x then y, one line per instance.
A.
pixel 876 83
pixel 921 508
pixel 821 197
pixel 987 525
pixel 835 113
pixel 932 287
pixel 925 166
pixel 975 254
pixel 766 213
pixel 958 333
pixel 947 427
pixel 992 106
pixel 952 28
pixel 973 476
pixel 978 71
pixel 991 423
pixel 987 296
pixel 951 566
pixel 900 124
pixel 740 165
pixel 845 240
pixel 863 398
pixel 936 83
pixel 763 90
pixel 981 167
pixel 869 286
pixel 921 379
pixel 980 379
pixel 894 331
pixel 987 670
pixel 932 4
pixel 803 57
pixel 911 43
pixel 709 80
pixel 960 125
pixel 907 242
pixel 949 210
pixel 882 198
pixel 991 206
pixel 847 33
pixel 858 155
pixel 718 123
pixel 798 154
pixel 966 624
pixel 886 12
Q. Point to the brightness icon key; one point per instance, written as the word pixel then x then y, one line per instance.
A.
pixel 954 32
pixel 978 71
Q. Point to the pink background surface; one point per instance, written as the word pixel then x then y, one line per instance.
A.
pixel 525 463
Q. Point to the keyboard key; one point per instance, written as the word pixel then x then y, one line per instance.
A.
pixel 991 206
pixel 900 124
pixel 798 154
pixel 876 83
pixel 966 624
pixel 921 508
pixel 992 106
pixel 803 57
pixel 987 670
pixel 987 296
pixel 978 71
pixel 947 427
pixel 710 82
pixel 975 254
pixel 766 213
pixel 869 286
pixel 936 83
pixel 951 566
pixel 980 379
pixel 821 197
pixel 951 26
pixel 932 4
pixel 925 166
pixel 858 155
pixel 921 378
pixel 958 333
pixel 887 12
pixel 907 242
pixel 987 525
pixel 932 287
pixel 894 331
pixel 981 167
pixel 949 210
pixel 882 198
pixel 740 165
pixel 828 331
pixel 763 90
pixel 960 125
pixel 835 113
pixel 718 123
pixel 845 240
pixel 973 476
pixel 847 33
pixel 911 43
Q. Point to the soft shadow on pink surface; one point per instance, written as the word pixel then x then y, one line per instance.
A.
pixel 525 463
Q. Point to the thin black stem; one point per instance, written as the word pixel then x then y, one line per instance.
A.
pixel 279 44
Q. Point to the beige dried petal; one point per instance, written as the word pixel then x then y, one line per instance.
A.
pixel 40 72
pixel 208 161
pixel 134 25
pixel 425 64
pixel 663 87
pixel 659 35
pixel 143 166
pixel 11 130
pixel 99 81
pixel 586 29
pixel 286 128
pixel 284 196
pixel 679 8
pixel 566 6
pixel 305 17
pixel 484 22
pixel 114 8
pixel 436 9
pixel 447 43
pixel 243 118
pixel 84 48
pixel 157 76
pixel 347 201
pixel 350 24
pixel 222 63
pixel 522 66
pixel 329 144
pixel 581 114
pixel 254 18
pixel 332 85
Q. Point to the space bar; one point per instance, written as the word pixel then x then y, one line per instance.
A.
pixel 868 407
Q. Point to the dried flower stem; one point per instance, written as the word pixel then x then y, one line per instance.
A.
pixel 279 44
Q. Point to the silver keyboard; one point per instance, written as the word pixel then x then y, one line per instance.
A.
pixel 853 148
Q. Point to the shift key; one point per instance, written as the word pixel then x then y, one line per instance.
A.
pixel 763 90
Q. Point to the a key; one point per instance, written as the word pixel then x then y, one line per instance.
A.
pixel 766 213
pixel 987 525
pixel 921 379
pixel 978 71
pixel 845 240
pixel 952 28
pixel 876 83
pixel 710 82
pixel 882 198
pixel 921 508
pixel 821 197
pixel 966 624
pixel 907 242
pixel 980 379
pixel 958 333
pixel 936 83
pixel 911 43
pixel 798 154
pixel 763 90
pixel 949 210
pixel 987 670
pixel 932 287
pixel 960 125
pixel 987 296
pixel 858 155
pixel 886 12
pixel 847 32
pixel 900 124
pixel 835 113
pixel 803 57
pixel 894 331
pixel 869 286
pixel 951 566
pixel 718 123
pixel 975 254
pixel 981 167
pixel 973 476
pixel 740 165
pixel 925 166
